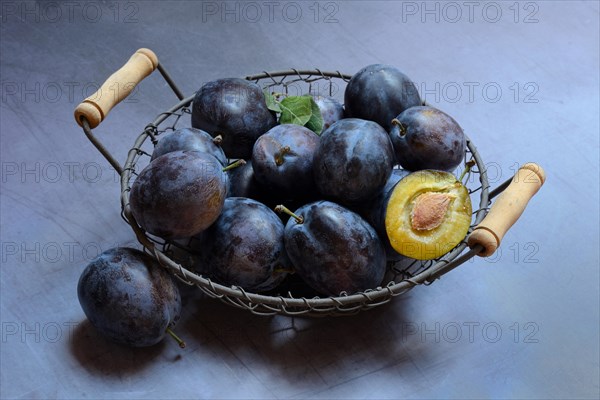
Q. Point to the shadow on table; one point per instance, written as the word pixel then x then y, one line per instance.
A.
pixel 98 355
pixel 318 350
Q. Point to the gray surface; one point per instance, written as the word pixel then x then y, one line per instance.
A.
pixel 542 290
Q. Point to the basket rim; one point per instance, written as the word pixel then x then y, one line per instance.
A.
pixel 266 304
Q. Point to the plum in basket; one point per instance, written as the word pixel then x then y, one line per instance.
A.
pixel 333 249
pixel 244 247
pixel 379 93
pixel 282 160
pixel 189 139
pixel 427 138
pixel 179 194
pixel 237 110
pixel 331 110
pixel 353 162
pixel 243 183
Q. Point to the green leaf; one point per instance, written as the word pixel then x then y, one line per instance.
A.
pixel 295 110
pixel 315 123
pixel 272 103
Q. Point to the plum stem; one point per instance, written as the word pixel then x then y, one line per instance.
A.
pixel 397 122
pixel 282 269
pixel 280 154
pixel 218 140
pixel 177 338
pixel 236 164
pixel 278 95
pixel 468 166
pixel 283 209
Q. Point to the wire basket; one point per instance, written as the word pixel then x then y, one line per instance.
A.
pixel 400 277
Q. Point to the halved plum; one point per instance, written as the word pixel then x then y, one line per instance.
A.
pixel 428 214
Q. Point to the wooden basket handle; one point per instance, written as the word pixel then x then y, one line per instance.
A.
pixel 116 88
pixel 507 209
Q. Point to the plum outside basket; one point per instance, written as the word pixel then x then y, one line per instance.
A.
pixel 400 277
